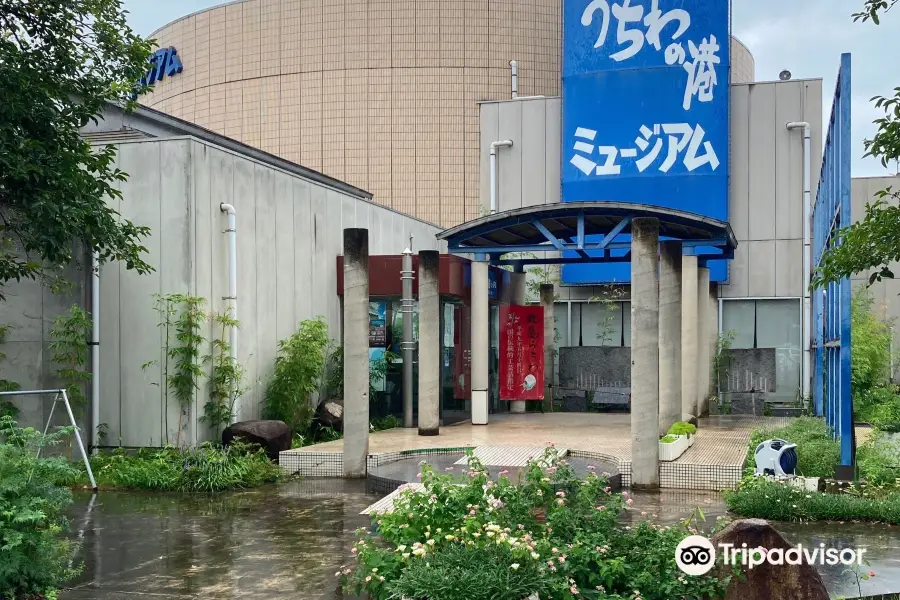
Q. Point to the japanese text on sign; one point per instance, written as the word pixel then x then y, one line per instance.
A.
pixel 521 353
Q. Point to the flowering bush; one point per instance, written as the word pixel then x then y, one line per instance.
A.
pixel 551 533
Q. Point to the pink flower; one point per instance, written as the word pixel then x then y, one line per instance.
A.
pixel 560 494
pixel 601 507
pixel 871 573
pixel 449 469
pixel 643 513
pixel 551 470
pixel 573 589
pixel 562 559
pixel 624 494
pixel 629 502
pixel 353 551
pixel 560 501
pixel 591 468
pixel 418 476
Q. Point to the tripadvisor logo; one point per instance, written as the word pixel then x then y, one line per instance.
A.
pixel 696 555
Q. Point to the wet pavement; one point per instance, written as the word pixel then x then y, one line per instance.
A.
pixel 276 542
pixel 287 541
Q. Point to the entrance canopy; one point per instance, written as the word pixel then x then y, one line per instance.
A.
pixel 566 228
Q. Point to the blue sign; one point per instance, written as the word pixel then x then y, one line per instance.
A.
pixel 645 109
pixel 492 281
pixel 164 62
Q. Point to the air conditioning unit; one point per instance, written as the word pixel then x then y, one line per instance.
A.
pixel 776 457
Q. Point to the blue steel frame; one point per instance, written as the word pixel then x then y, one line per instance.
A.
pixel 580 246
pixel 831 388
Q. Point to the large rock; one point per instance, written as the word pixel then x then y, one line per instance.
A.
pixel 271 436
pixel 794 582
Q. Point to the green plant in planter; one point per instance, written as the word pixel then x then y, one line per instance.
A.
pixel 669 439
pixel 682 428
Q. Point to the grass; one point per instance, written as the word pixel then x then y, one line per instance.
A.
pixel 207 468
pixel 878 464
pixel 767 499
pixel 817 452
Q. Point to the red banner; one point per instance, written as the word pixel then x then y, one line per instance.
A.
pixel 521 353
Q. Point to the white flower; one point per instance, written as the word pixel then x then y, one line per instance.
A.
pixel 368 578
pixel 514 566
pixel 375 570
pixel 535 555
pixel 430 542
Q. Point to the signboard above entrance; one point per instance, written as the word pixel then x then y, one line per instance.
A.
pixel 163 63
pixel 645 106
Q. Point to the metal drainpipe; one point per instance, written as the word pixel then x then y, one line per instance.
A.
pixel 494 146
pixel 95 350
pixel 806 328
pixel 514 69
pixel 232 279
pixel 408 343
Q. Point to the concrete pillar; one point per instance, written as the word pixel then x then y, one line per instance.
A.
pixel 517 298
pixel 644 353
pixel 669 335
pixel 689 337
pixel 703 329
pixel 480 339
pixel 548 299
pixel 429 343
pixel 356 351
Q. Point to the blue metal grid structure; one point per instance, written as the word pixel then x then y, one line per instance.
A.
pixel 831 386
pixel 583 233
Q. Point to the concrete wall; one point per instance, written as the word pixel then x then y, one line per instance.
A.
pixel 766 193
pixel 289 233
pixel 29 310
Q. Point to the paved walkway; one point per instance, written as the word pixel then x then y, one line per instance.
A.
pixel 721 440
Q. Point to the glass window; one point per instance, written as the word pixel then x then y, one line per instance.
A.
pixel 739 316
pixel 601 324
pixel 561 314
pixel 777 323
pixel 769 324
pixel 778 326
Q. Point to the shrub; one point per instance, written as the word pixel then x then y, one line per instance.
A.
pixel 207 468
pixel 682 428
pixel 669 439
pixel 871 345
pixel 550 533
pixel 35 554
pixel 762 498
pixel 878 460
pixel 299 367
pixel 879 406
pixel 817 451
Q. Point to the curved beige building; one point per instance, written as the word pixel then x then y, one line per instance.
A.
pixel 379 93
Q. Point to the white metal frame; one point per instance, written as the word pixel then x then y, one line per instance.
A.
pixel 60 396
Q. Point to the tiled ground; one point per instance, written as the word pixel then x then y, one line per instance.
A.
pixel 714 461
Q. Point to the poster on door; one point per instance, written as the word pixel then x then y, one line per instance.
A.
pixel 521 353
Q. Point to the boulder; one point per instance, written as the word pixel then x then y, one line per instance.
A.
pixel 330 413
pixel 271 436
pixel 797 582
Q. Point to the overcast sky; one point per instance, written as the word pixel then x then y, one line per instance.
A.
pixel 803 36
